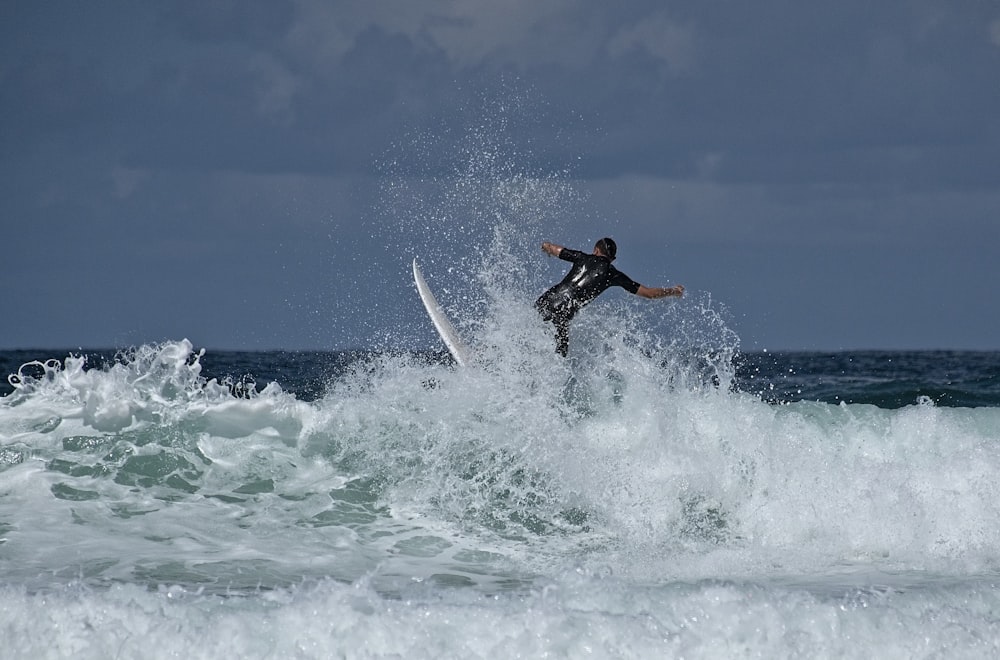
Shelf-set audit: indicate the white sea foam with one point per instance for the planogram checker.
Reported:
(578, 616)
(622, 503)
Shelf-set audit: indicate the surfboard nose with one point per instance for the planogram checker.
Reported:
(444, 327)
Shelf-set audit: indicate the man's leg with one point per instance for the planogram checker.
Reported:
(559, 317)
(562, 335)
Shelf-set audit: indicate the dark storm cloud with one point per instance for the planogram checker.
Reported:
(831, 87)
(720, 90)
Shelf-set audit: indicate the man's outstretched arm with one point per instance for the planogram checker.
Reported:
(660, 292)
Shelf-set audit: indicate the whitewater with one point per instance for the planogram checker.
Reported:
(625, 504)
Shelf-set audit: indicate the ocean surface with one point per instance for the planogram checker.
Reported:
(638, 500)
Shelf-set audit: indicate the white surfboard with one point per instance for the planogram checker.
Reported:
(444, 327)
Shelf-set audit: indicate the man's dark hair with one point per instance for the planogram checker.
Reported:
(608, 247)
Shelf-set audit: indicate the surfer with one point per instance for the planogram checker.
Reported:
(589, 277)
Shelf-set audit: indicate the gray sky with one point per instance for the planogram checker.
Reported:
(231, 171)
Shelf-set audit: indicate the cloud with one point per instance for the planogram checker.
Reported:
(476, 30)
(852, 92)
(125, 181)
(468, 32)
(275, 88)
(659, 37)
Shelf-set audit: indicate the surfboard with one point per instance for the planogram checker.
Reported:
(445, 329)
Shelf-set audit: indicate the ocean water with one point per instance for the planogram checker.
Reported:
(629, 502)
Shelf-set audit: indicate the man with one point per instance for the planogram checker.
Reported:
(590, 276)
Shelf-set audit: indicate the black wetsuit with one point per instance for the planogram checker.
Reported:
(590, 276)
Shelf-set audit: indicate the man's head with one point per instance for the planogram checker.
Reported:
(607, 247)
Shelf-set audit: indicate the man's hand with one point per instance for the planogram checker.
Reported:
(551, 249)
